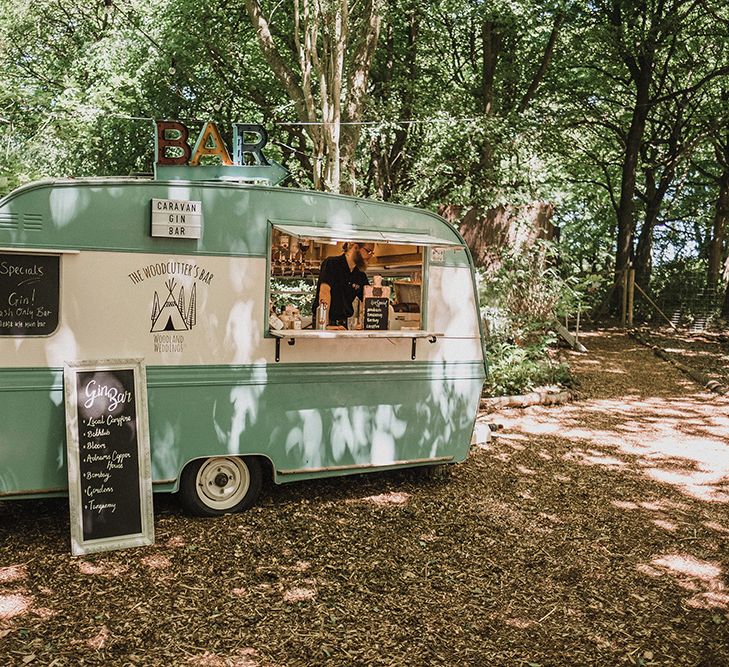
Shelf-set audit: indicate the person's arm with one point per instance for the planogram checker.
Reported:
(325, 294)
(325, 291)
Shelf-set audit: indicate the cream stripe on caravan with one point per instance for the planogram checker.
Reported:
(360, 234)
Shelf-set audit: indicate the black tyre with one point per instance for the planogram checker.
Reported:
(220, 485)
(438, 472)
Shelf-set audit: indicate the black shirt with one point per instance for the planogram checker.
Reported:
(345, 286)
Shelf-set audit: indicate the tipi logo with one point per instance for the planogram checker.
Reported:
(173, 315)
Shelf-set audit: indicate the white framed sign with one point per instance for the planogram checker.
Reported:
(176, 218)
(437, 254)
(109, 464)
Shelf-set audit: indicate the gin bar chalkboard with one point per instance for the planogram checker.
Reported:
(376, 312)
(110, 488)
(29, 294)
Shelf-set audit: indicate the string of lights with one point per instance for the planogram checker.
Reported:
(384, 122)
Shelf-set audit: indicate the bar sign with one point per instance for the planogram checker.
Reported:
(176, 218)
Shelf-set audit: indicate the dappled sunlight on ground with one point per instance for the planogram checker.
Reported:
(15, 604)
(714, 525)
(99, 640)
(102, 568)
(299, 594)
(246, 657)
(156, 562)
(384, 499)
(12, 573)
(653, 445)
(702, 578)
(176, 542)
(679, 438)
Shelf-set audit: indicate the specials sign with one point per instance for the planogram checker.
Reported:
(109, 467)
(29, 294)
(175, 218)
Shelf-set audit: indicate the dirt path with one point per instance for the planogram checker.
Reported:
(649, 497)
(595, 533)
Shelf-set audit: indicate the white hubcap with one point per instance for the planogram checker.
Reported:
(222, 482)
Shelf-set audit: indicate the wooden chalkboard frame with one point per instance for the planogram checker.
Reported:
(80, 545)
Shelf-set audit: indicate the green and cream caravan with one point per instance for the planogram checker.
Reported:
(190, 277)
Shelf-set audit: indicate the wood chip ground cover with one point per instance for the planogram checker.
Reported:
(594, 533)
(706, 352)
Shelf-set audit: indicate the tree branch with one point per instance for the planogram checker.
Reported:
(546, 58)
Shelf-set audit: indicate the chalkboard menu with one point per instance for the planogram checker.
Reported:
(29, 291)
(109, 471)
(376, 312)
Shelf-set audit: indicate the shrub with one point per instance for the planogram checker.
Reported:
(520, 302)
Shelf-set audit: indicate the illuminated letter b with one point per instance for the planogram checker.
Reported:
(179, 133)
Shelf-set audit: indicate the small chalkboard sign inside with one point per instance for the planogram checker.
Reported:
(29, 294)
(376, 312)
(109, 468)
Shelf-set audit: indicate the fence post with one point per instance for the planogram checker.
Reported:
(624, 309)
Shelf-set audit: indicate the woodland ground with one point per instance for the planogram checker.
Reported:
(706, 351)
(595, 533)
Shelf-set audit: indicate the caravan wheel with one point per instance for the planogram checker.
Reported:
(220, 485)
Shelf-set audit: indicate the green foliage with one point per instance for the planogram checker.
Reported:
(289, 291)
(465, 105)
(520, 302)
(516, 369)
(528, 288)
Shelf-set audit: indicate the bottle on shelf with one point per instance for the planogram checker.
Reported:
(287, 317)
(274, 321)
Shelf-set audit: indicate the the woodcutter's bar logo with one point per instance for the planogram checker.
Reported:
(174, 302)
(173, 315)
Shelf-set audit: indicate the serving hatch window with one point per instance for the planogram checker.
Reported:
(394, 270)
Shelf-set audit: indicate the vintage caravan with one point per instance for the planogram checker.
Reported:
(192, 276)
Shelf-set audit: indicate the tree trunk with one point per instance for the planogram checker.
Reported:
(721, 216)
(389, 161)
(654, 194)
(489, 232)
(334, 61)
(358, 76)
(490, 52)
(639, 59)
(644, 253)
(626, 205)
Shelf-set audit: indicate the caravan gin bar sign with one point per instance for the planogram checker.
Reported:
(109, 470)
(176, 218)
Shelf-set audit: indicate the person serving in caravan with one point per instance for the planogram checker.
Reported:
(341, 281)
